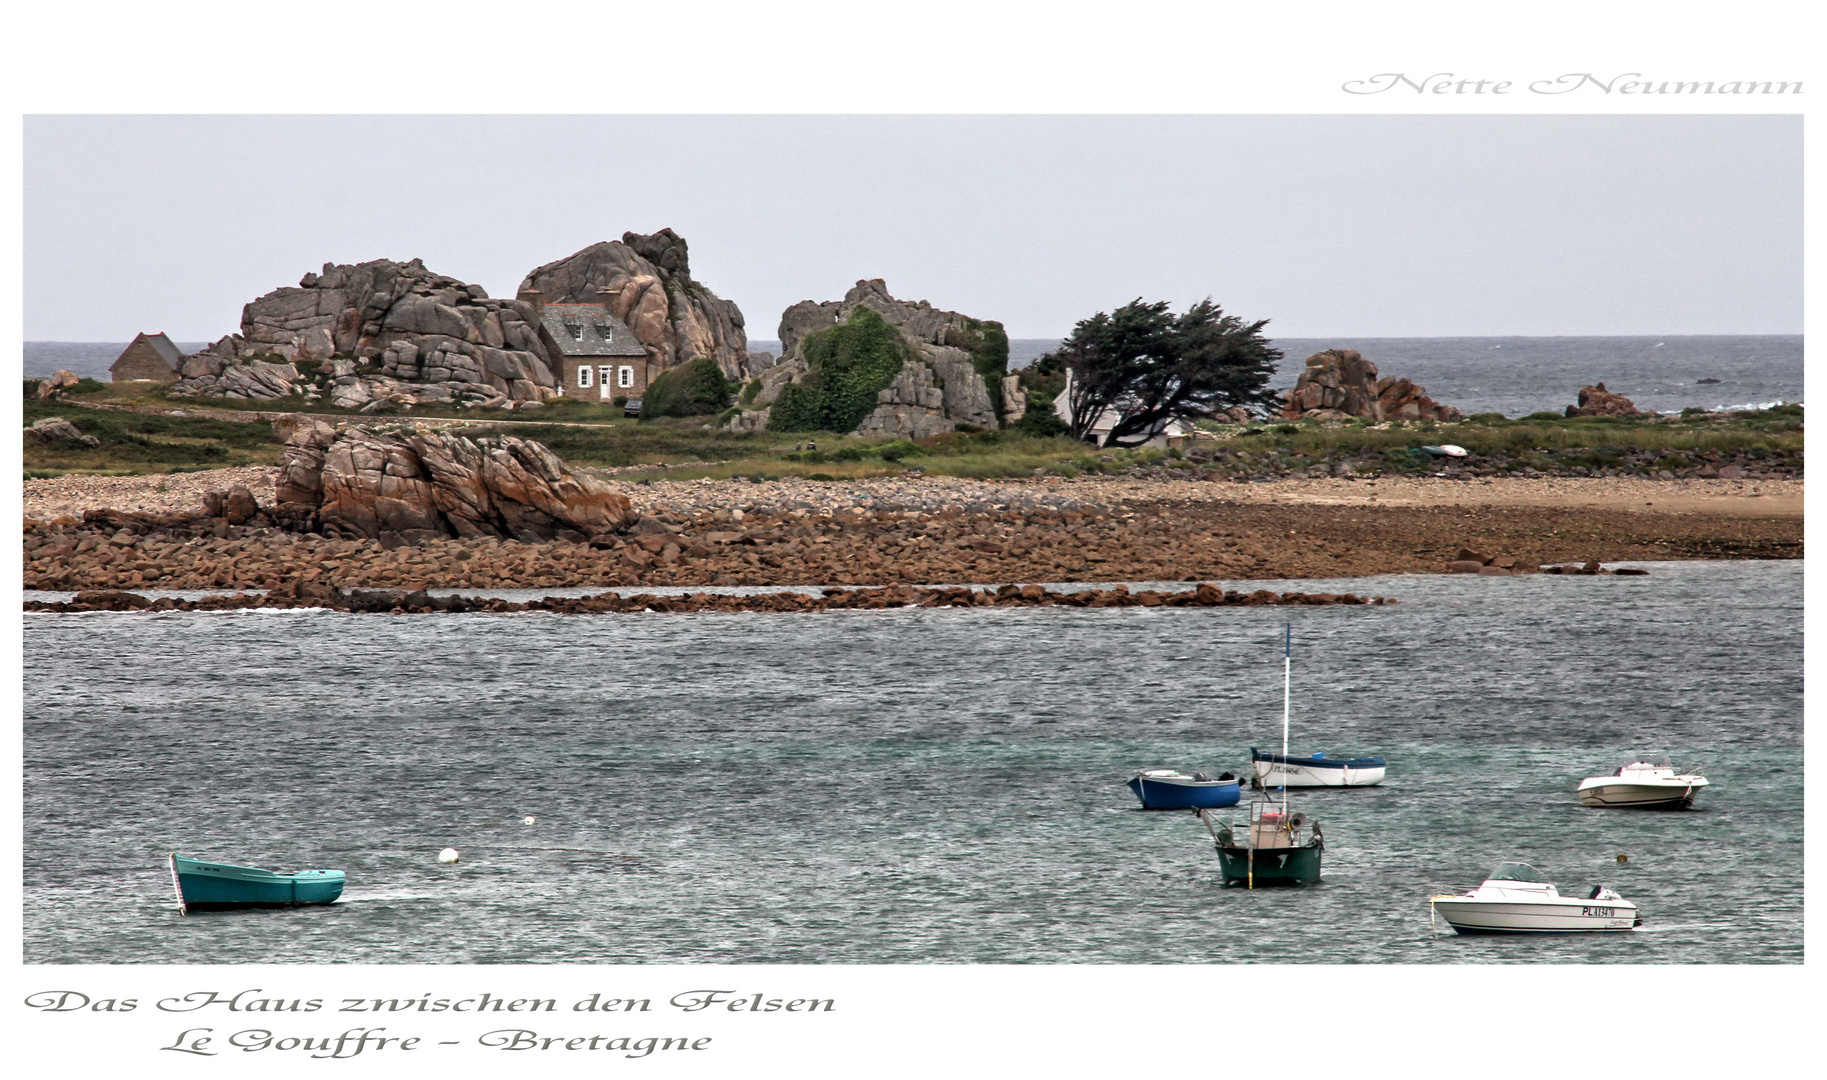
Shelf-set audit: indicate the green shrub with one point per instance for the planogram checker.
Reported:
(1539, 416)
(694, 388)
(749, 392)
(1487, 418)
(1042, 423)
(899, 449)
(849, 365)
(726, 416)
(820, 476)
(849, 453)
(1286, 429)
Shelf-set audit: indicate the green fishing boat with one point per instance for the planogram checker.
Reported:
(1276, 846)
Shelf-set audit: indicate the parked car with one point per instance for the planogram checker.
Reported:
(631, 407)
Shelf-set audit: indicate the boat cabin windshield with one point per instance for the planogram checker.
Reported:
(1516, 871)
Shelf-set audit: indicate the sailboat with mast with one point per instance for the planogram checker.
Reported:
(1275, 846)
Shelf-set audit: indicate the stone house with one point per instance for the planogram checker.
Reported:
(599, 357)
(150, 357)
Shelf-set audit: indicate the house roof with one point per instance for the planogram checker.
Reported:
(588, 330)
(160, 344)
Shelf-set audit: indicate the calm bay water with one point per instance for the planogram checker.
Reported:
(911, 786)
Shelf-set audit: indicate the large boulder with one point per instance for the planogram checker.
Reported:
(646, 282)
(1598, 401)
(53, 428)
(413, 485)
(1341, 383)
(59, 381)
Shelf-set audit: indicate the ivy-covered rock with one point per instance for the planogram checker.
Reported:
(847, 366)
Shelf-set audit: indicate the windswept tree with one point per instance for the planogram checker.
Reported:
(1150, 366)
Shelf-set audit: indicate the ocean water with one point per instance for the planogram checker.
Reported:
(1510, 375)
(912, 786)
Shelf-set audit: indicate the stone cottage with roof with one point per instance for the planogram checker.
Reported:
(599, 357)
(148, 356)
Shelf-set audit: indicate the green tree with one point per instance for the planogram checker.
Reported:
(1151, 366)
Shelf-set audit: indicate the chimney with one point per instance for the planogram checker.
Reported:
(533, 296)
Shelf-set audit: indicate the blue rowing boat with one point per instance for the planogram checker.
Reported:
(1165, 789)
(212, 886)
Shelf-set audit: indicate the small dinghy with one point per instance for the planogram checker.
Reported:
(1643, 785)
(1318, 770)
(213, 886)
(1165, 789)
(1516, 899)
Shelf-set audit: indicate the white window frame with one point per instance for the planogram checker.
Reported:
(624, 377)
(583, 377)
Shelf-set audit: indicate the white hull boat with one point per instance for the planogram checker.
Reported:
(1643, 785)
(1284, 770)
(1515, 900)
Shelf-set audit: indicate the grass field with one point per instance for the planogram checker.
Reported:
(590, 435)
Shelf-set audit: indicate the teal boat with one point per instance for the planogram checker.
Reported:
(213, 886)
(1275, 848)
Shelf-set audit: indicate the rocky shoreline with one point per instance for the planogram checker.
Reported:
(926, 531)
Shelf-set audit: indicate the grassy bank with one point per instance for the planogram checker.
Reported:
(590, 435)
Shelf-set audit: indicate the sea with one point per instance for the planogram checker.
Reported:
(1514, 376)
(914, 786)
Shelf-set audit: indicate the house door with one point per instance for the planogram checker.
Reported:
(605, 376)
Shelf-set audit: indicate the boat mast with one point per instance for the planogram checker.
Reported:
(1287, 675)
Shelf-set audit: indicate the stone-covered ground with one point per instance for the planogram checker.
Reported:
(932, 531)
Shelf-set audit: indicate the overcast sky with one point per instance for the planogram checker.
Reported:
(1326, 225)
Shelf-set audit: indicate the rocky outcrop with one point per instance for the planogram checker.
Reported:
(1340, 384)
(1598, 401)
(59, 381)
(53, 428)
(399, 333)
(646, 282)
(913, 407)
(940, 341)
(416, 485)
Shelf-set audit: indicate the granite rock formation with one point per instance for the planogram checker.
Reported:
(415, 485)
(1340, 383)
(646, 282)
(398, 334)
(939, 391)
(59, 381)
(53, 428)
(1598, 401)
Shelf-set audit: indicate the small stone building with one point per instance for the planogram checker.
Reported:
(600, 359)
(148, 356)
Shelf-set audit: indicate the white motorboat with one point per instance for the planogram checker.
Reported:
(1516, 900)
(1642, 784)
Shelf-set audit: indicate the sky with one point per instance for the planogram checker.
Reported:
(1368, 225)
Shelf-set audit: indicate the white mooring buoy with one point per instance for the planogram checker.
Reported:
(449, 854)
(526, 820)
